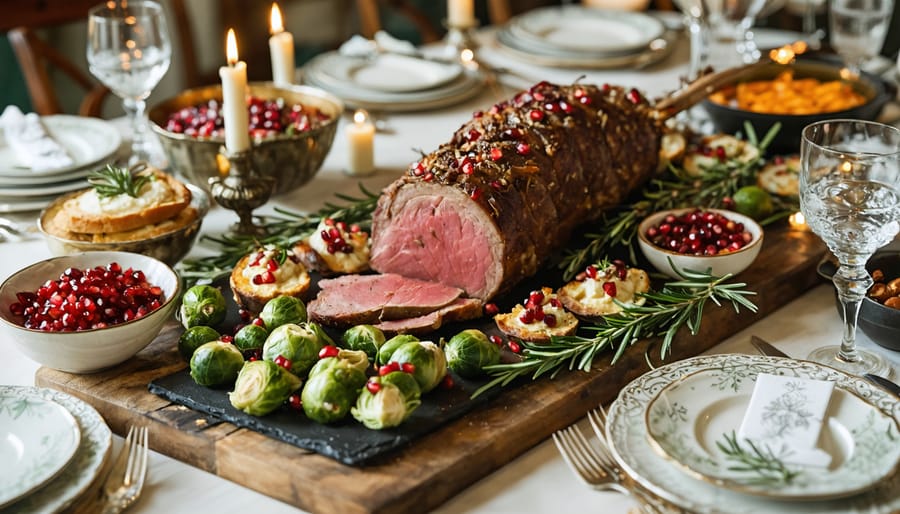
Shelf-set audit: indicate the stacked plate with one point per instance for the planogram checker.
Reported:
(90, 142)
(584, 37)
(392, 82)
(669, 430)
(52, 447)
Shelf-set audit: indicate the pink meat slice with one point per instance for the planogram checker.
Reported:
(460, 310)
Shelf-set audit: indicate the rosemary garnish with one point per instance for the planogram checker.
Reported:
(113, 181)
(760, 462)
(676, 189)
(678, 304)
(283, 229)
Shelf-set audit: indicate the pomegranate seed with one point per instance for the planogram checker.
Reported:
(536, 115)
(477, 114)
(634, 96)
(610, 288)
(523, 149)
(514, 347)
(536, 297)
(295, 402)
(497, 340)
(496, 154)
(554, 302)
(550, 320)
(373, 386)
(476, 194)
(328, 351)
(512, 133)
(491, 309)
(538, 314)
(591, 271)
(447, 382)
(527, 316)
(408, 367)
(622, 273)
(473, 135)
(720, 153)
(585, 100)
(259, 322)
(428, 177)
(283, 361)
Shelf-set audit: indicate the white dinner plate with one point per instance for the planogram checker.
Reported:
(689, 419)
(55, 188)
(87, 140)
(38, 437)
(392, 73)
(10, 204)
(627, 434)
(578, 29)
(89, 458)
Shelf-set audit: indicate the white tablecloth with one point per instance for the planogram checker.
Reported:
(537, 481)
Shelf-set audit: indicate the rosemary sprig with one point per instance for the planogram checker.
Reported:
(676, 189)
(113, 181)
(678, 304)
(283, 229)
(761, 463)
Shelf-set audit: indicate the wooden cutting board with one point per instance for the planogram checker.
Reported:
(438, 466)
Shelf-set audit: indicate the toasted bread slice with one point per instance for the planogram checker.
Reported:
(781, 178)
(291, 279)
(537, 330)
(54, 222)
(160, 199)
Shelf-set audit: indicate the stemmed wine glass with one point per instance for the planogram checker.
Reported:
(850, 196)
(858, 29)
(128, 49)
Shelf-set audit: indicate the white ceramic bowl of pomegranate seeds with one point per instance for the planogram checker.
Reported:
(86, 311)
(724, 242)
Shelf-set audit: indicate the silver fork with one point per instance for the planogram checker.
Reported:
(126, 479)
(582, 460)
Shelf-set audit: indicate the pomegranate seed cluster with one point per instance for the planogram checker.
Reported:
(264, 265)
(335, 236)
(699, 233)
(267, 118)
(88, 299)
(535, 309)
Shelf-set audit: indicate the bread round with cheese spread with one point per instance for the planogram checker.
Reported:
(290, 279)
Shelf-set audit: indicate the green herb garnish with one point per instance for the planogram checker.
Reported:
(761, 463)
(113, 181)
(676, 305)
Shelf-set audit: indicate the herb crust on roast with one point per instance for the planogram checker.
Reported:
(487, 208)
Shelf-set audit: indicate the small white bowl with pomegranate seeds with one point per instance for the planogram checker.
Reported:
(700, 239)
(86, 312)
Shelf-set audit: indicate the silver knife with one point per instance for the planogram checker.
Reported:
(767, 349)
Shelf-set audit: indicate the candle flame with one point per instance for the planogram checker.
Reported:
(231, 50)
(787, 53)
(275, 22)
(360, 116)
(846, 167)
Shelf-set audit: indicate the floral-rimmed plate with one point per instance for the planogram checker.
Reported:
(627, 435)
(38, 437)
(689, 420)
(73, 481)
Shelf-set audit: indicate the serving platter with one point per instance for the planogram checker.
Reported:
(424, 473)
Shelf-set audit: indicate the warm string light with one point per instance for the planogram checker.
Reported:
(797, 221)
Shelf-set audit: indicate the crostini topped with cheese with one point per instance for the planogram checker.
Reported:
(541, 317)
(602, 291)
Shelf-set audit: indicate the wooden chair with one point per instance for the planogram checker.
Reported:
(499, 11)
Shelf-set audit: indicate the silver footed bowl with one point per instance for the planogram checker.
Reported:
(291, 159)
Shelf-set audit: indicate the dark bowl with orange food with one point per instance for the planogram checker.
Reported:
(871, 91)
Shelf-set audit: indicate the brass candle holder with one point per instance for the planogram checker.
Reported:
(241, 190)
(459, 38)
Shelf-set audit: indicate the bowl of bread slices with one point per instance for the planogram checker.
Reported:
(140, 210)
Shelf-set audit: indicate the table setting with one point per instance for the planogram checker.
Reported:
(227, 333)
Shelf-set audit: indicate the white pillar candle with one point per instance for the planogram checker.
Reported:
(461, 13)
(281, 49)
(234, 98)
(361, 145)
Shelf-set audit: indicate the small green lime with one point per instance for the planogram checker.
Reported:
(753, 201)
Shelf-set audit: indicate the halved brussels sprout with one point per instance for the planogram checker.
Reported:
(297, 343)
(250, 337)
(282, 310)
(331, 389)
(469, 351)
(194, 338)
(262, 387)
(389, 346)
(396, 397)
(202, 305)
(216, 363)
(427, 358)
(367, 338)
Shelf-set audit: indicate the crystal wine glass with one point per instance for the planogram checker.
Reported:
(849, 194)
(128, 49)
(858, 29)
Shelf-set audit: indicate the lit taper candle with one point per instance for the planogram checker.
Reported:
(234, 98)
(281, 49)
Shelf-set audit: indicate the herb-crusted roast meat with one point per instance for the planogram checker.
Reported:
(486, 209)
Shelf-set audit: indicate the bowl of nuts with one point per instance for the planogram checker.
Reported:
(719, 241)
(291, 132)
(87, 312)
(879, 314)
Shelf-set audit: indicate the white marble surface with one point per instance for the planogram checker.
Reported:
(538, 481)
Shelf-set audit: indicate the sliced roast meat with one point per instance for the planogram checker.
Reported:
(486, 209)
(355, 299)
(460, 310)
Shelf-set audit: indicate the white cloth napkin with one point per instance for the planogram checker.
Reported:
(358, 46)
(30, 142)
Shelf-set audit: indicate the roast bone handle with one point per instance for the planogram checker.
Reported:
(702, 87)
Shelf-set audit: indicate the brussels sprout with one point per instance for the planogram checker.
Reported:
(351, 358)
(216, 363)
(250, 337)
(427, 358)
(364, 337)
(202, 305)
(389, 346)
(262, 387)
(331, 389)
(193, 338)
(297, 343)
(469, 351)
(282, 310)
(396, 397)
(317, 329)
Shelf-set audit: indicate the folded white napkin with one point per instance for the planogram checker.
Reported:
(30, 142)
(358, 46)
